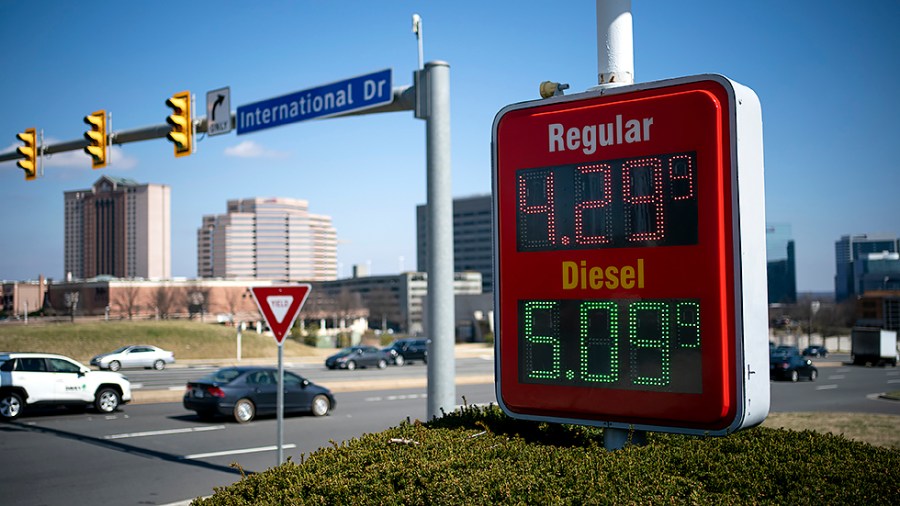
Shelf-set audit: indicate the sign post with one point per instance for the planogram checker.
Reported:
(630, 258)
(280, 306)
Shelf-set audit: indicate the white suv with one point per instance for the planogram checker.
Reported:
(40, 378)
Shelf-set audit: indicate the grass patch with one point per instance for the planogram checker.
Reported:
(481, 456)
(875, 429)
(188, 339)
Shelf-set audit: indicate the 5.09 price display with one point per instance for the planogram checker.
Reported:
(631, 344)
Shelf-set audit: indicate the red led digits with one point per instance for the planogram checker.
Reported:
(681, 177)
(537, 185)
(594, 181)
(624, 203)
(642, 187)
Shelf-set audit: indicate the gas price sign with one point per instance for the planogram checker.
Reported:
(629, 262)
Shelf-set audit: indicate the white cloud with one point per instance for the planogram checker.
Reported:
(250, 149)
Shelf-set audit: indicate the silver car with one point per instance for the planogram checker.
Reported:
(141, 355)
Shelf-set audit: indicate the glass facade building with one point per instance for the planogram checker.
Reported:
(781, 265)
(865, 262)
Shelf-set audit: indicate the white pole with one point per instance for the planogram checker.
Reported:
(615, 43)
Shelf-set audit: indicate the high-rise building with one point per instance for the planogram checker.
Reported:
(472, 238)
(267, 238)
(863, 263)
(780, 267)
(119, 228)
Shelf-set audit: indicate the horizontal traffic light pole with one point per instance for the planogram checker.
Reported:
(404, 100)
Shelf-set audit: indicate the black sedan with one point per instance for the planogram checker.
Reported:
(244, 392)
(358, 356)
(815, 350)
(792, 367)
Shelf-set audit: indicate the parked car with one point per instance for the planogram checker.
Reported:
(783, 351)
(357, 356)
(406, 350)
(792, 367)
(815, 350)
(31, 379)
(141, 355)
(245, 392)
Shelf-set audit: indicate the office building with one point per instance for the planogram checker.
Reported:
(394, 302)
(119, 228)
(780, 267)
(865, 262)
(267, 238)
(472, 238)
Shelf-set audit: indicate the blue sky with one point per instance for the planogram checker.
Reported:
(825, 71)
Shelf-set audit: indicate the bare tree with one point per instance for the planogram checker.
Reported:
(197, 300)
(126, 300)
(165, 298)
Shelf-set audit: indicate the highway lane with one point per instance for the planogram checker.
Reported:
(160, 453)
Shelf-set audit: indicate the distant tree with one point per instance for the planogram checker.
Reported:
(127, 300)
(197, 300)
(165, 298)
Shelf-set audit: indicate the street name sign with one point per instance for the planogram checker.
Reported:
(354, 94)
(280, 306)
(629, 258)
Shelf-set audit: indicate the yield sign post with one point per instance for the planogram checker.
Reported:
(280, 306)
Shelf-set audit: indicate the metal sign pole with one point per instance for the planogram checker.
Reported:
(280, 405)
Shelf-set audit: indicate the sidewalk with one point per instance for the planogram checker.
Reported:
(466, 350)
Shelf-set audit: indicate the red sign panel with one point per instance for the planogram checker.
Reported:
(617, 286)
(280, 306)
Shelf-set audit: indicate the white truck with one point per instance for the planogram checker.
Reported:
(873, 346)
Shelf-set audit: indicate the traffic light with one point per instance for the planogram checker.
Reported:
(29, 151)
(182, 133)
(96, 137)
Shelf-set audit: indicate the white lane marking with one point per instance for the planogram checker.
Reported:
(894, 381)
(893, 373)
(164, 432)
(137, 386)
(196, 456)
(826, 387)
(836, 377)
(396, 397)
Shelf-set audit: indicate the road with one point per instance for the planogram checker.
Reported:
(160, 454)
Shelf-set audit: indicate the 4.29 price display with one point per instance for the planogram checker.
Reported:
(622, 344)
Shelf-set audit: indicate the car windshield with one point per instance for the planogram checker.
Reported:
(221, 376)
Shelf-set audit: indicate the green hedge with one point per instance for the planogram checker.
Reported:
(481, 456)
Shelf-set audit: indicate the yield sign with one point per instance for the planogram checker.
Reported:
(280, 306)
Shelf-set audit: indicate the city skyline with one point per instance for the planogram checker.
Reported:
(827, 103)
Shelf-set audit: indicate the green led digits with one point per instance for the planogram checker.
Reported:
(543, 317)
(600, 336)
(648, 329)
(590, 343)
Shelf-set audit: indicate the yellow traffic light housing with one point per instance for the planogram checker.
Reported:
(182, 134)
(96, 137)
(29, 151)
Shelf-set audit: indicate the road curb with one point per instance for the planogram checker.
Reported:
(159, 396)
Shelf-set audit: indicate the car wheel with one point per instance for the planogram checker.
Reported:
(795, 376)
(351, 365)
(115, 365)
(382, 364)
(244, 411)
(159, 365)
(813, 375)
(320, 405)
(399, 360)
(107, 400)
(10, 406)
